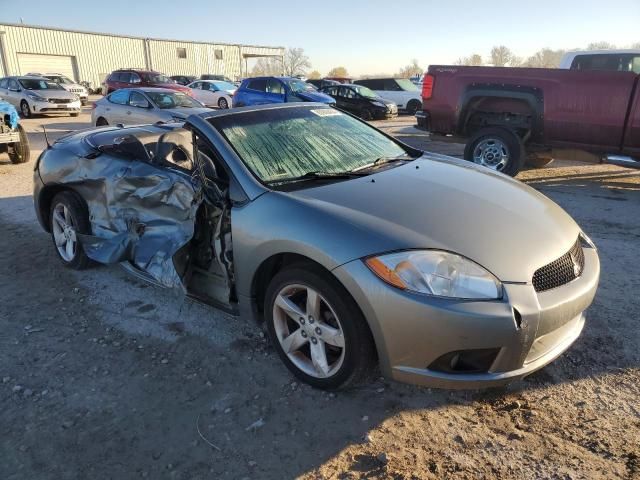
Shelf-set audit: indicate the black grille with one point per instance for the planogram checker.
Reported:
(561, 271)
(60, 100)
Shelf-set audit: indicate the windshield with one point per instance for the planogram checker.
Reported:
(35, 84)
(365, 92)
(406, 85)
(60, 79)
(164, 100)
(298, 86)
(156, 78)
(224, 85)
(280, 145)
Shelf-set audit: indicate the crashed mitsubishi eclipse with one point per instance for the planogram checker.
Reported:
(355, 249)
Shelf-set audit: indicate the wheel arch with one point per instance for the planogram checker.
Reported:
(515, 107)
(46, 196)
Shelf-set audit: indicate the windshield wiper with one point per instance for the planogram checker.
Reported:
(319, 175)
(384, 160)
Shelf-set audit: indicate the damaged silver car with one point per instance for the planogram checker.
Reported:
(353, 248)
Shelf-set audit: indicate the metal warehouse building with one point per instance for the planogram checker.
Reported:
(91, 56)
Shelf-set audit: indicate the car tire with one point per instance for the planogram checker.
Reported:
(413, 106)
(84, 102)
(25, 109)
(497, 148)
(366, 114)
(223, 104)
(19, 152)
(101, 122)
(339, 320)
(75, 114)
(68, 216)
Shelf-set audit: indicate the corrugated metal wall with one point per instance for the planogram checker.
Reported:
(98, 54)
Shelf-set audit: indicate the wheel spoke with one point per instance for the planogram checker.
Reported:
(59, 238)
(59, 219)
(313, 303)
(294, 341)
(69, 249)
(319, 358)
(332, 336)
(290, 308)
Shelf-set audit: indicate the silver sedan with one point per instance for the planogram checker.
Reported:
(135, 106)
(350, 247)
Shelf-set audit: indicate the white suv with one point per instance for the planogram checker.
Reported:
(400, 91)
(66, 83)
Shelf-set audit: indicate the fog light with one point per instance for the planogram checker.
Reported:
(465, 361)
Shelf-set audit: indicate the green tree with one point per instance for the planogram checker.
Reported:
(338, 72)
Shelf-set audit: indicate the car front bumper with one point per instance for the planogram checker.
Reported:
(522, 332)
(37, 106)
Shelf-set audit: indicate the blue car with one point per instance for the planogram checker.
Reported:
(262, 90)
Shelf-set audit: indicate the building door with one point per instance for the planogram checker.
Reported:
(36, 63)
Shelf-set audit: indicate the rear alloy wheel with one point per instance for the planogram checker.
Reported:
(25, 110)
(496, 148)
(19, 152)
(68, 218)
(317, 329)
(223, 104)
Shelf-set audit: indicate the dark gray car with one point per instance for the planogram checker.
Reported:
(351, 247)
(135, 106)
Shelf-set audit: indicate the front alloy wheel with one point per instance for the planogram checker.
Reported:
(309, 331)
(68, 218)
(317, 328)
(25, 109)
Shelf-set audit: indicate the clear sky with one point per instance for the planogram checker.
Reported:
(366, 37)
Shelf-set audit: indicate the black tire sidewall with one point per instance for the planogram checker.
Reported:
(29, 114)
(225, 102)
(80, 216)
(413, 106)
(101, 122)
(506, 136)
(357, 337)
(21, 150)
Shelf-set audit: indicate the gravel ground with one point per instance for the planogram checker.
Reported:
(105, 377)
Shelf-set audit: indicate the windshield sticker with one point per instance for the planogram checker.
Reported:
(326, 112)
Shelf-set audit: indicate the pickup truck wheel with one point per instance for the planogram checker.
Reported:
(19, 152)
(497, 148)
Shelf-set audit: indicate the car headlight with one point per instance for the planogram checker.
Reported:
(436, 272)
(35, 96)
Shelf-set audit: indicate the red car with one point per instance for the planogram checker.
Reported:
(132, 78)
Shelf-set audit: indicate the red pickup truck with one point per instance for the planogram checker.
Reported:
(506, 114)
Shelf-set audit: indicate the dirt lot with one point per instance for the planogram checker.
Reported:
(104, 377)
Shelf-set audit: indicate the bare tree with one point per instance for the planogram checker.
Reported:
(267, 66)
(411, 70)
(295, 62)
(501, 56)
(338, 72)
(474, 60)
(601, 46)
(545, 58)
(635, 45)
(314, 75)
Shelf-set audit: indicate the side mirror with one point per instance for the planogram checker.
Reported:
(140, 104)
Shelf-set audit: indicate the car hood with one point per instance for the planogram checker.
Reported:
(311, 96)
(52, 94)
(441, 203)
(185, 112)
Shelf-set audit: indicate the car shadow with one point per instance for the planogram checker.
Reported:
(129, 401)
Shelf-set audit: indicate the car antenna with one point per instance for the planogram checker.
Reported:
(46, 138)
